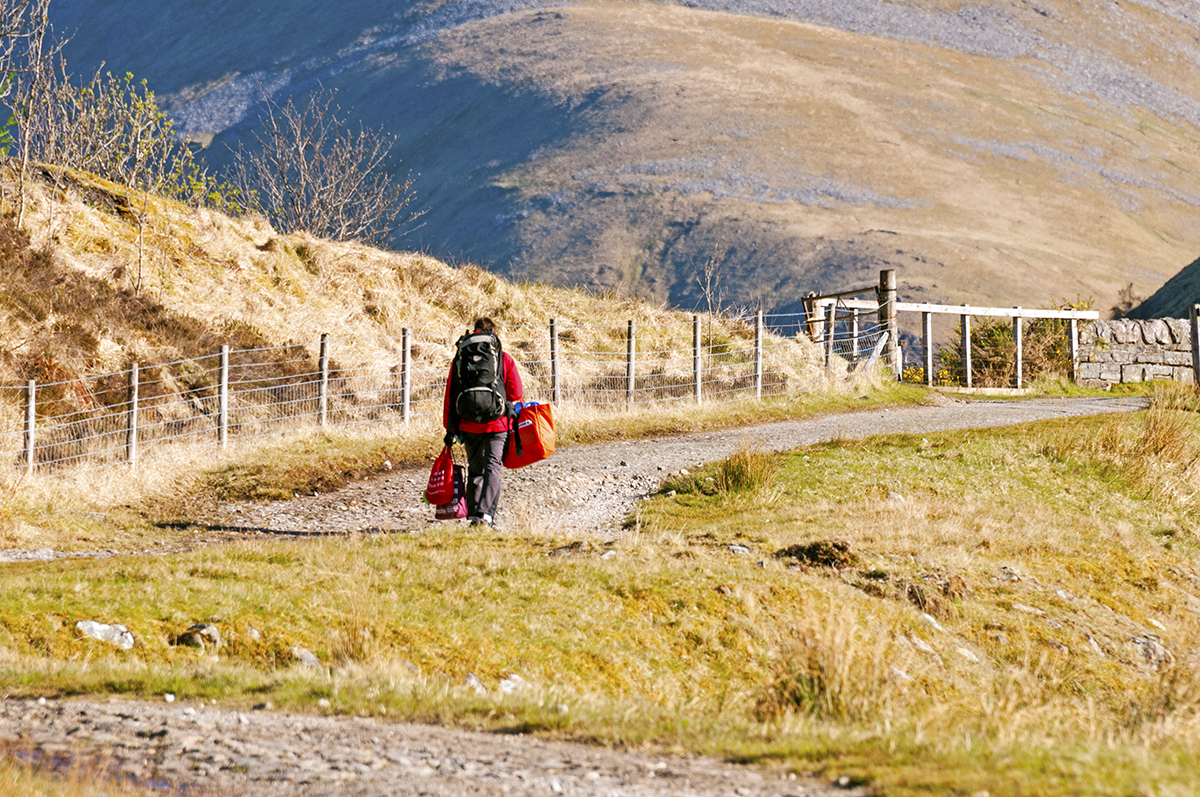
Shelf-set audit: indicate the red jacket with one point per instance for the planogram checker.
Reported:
(513, 391)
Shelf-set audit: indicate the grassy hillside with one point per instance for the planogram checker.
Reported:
(997, 153)
(85, 292)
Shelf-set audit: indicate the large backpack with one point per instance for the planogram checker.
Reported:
(479, 376)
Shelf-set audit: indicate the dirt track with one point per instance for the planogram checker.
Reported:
(582, 490)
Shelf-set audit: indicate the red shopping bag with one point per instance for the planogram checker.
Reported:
(441, 479)
(535, 431)
(457, 507)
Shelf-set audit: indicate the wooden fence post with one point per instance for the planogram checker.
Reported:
(131, 423)
(1018, 346)
(758, 354)
(697, 363)
(555, 373)
(323, 382)
(405, 374)
(1194, 326)
(630, 348)
(965, 327)
(830, 323)
(854, 335)
(927, 335)
(887, 318)
(1073, 348)
(30, 425)
(223, 398)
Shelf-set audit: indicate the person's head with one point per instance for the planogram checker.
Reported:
(485, 324)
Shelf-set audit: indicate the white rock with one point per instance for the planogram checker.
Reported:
(116, 634)
(739, 549)
(305, 657)
(513, 683)
(929, 619)
(324, 703)
(895, 497)
(901, 674)
(922, 645)
(968, 655)
(608, 555)
(474, 683)
(170, 698)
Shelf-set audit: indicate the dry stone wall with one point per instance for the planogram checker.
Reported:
(1129, 350)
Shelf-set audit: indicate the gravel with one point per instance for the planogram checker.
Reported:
(196, 748)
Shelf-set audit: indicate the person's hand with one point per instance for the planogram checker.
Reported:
(451, 438)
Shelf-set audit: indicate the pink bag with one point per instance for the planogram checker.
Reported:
(456, 507)
(440, 489)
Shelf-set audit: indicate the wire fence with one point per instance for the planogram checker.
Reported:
(149, 408)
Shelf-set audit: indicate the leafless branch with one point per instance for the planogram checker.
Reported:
(311, 172)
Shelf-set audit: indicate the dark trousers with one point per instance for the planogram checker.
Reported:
(485, 461)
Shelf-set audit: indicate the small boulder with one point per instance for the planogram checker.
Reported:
(305, 657)
(115, 633)
(200, 635)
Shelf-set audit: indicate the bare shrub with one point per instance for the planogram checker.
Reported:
(27, 52)
(111, 126)
(1045, 351)
(311, 172)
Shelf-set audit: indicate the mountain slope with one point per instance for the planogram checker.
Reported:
(1000, 153)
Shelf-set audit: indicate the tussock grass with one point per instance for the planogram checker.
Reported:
(749, 469)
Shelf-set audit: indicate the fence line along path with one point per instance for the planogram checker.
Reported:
(397, 381)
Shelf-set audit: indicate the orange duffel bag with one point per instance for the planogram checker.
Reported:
(533, 439)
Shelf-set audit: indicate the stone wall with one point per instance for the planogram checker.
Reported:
(1128, 350)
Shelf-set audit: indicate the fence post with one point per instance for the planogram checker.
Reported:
(854, 335)
(323, 382)
(1017, 341)
(405, 375)
(555, 395)
(927, 337)
(131, 424)
(697, 363)
(30, 425)
(223, 398)
(1194, 327)
(1073, 347)
(830, 321)
(758, 355)
(887, 317)
(965, 326)
(629, 365)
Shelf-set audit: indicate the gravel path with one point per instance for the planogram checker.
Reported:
(201, 749)
(581, 490)
(591, 489)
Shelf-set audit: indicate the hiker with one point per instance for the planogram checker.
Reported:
(477, 411)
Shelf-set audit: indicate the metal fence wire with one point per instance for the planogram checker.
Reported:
(121, 417)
